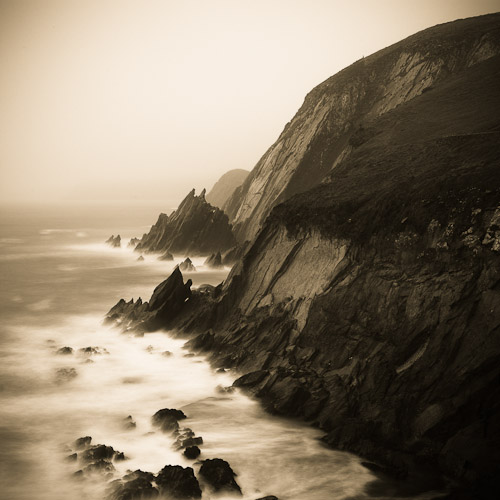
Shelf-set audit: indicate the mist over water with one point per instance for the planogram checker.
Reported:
(58, 280)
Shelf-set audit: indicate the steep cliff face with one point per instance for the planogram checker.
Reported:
(195, 228)
(320, 134)
(225, 187)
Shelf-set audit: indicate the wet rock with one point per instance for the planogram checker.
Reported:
(93, 351)
(192, 452)
(167, 354)
(98, 452)
(178, 482)
(64, 375)
(136, 485)
(82, 443)
(167, 419)
(214, 261)
(114, 241)
(202, 342)
(269, 497)
(129, 423)
(88, 361)
(65, 350)
(100, 466)
(133, 242)
(150, 349)
(119, 456)
(186, 437)
(219, 475)
(166, 256)
(140, 258)
(251, 379)
(224, 390)
(71, 458)
(187, 266)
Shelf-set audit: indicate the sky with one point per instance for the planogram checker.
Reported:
(146, 99)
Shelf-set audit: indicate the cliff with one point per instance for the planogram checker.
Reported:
(225, 187)
(195, 228)
(320, 135)
(369, 305)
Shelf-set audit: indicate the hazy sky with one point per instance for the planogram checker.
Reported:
(145, 99)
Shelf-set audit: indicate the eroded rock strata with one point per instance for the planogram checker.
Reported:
(369, 305)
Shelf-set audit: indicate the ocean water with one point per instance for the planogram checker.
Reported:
(58, 279)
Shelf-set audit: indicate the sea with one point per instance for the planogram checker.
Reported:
(58, 280)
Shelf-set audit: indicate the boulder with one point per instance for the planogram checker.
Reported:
(167, 419)
(97, 452)
(187, 266)
(82, 443)
(219, 475)
(192, 452)
(178, 482)
(136, 485)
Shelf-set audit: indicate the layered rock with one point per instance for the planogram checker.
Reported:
(195, 228)
(226, 186)
(322, 132)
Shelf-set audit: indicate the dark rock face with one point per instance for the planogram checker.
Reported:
(114, 241)
(215, 261)
(219, 475)
(225, 187)
(232, 255)
(195, 228)
(97, 452)
(167, 419)
(82, 442)
(192, 452)
(187, 266)
(168, 300)
(178, 482)
(134, 486)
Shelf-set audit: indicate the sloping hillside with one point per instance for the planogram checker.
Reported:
(320, 134)
(226, 186)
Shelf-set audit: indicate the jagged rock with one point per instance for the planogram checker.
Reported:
(192, 452)
(178, 482)
(140, 258)
(71, 458)
(65, 350)
(167, 419)
(129, 423)
(232, 255)
(166, 256)
(114, 241)
(83, 442)
(201, 343)
(186, 438)
(195, 228)
(100, 466)
(187, 266)
(225, 187)
(215, 261)
(136, 485)
(133, 242)
(168, 299)
(219, 475)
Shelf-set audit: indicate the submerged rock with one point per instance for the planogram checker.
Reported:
(91, 351)
(83, 442)
(97, 452)
(100, 466)
(178, 482)
(186, 438)
(140, 258)
(114, 241)
(167, 419)
(129, 423)
(65, 350)
(64, 375)
(187, 266)
(219, 475)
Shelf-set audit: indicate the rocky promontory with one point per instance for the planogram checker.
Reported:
(195, 228)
